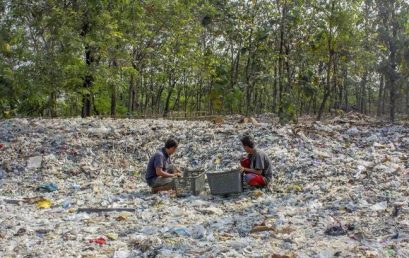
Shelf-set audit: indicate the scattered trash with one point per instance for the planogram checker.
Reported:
(284, 230)
(297, 188)
(2, 174)
(99, 241)
(353, 131)
(121, 254)
(198, 231)
(112, 236)
(34, 162)
(379, 206)
(43, 204)
(283, 256)
(327, 253)
(122, 217)
(218, 120)
(212, 211)
(181, 231)
(50, 187)
(20, 232)
(101, 210)
(348, 169)
(247, 120)
(390, 252)
(257, 193)
(66, 204)
(350, 227)
(397, 209)
(75, 186)
(256, 229)
(335, 231)
(42, 232)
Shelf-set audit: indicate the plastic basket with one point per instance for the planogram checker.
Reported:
(192, 182)
(226, 182)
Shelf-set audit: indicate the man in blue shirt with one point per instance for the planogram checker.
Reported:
(160, 171)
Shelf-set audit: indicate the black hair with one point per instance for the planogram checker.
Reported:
(170, 143)
(248, 141)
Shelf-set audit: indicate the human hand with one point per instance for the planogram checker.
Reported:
(242, 169)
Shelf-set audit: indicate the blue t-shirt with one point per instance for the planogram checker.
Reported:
(159, 159)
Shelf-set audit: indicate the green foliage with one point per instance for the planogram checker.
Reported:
(219, 56)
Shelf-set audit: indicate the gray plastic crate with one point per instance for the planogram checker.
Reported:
(226, 182)
(192, 182)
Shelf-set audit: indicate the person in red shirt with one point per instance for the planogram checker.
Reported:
(257, 167)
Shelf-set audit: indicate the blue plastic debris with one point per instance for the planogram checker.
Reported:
(50, 187)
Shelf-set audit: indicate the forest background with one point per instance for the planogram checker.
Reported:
(136, 58)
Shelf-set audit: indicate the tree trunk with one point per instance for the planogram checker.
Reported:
(86, 97)
(357, 97)
(88, 79)
(132, 95)
(172, 83)
(368, 110)
(380, 95)
(274, 106)
(280, 60)
(113, 101)
(392, 63)
(52, 104)
(334, 84)
(248, 74)
(113, 92)
(96, 112)
(327, 89)
(176, 105)
(363, 93)
(199, 95)
(158, 100)
(288, 69)
(384, 97)
(185, 103)
(314, 104)
(346, 89)
(234, 71)
(140, 90)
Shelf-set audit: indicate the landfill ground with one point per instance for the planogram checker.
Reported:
(340, 189)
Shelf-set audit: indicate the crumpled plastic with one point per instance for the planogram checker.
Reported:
(99, 241)
(43, 204)
(49, 187)
(326, 174)
(112, 236)
(34, 162)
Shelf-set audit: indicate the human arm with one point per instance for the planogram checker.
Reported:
(159, 162)
(251, 170)
(176, 170)
(257, 165)
(162, 173)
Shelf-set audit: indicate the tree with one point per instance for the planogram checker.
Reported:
(153, 57)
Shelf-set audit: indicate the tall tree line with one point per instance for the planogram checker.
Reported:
(131, 57)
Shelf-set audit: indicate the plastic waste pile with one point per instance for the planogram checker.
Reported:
(339, 189)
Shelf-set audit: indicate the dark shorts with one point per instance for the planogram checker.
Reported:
(160, 181)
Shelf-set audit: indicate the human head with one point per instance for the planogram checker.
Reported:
(248, 143)
(171, 146)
